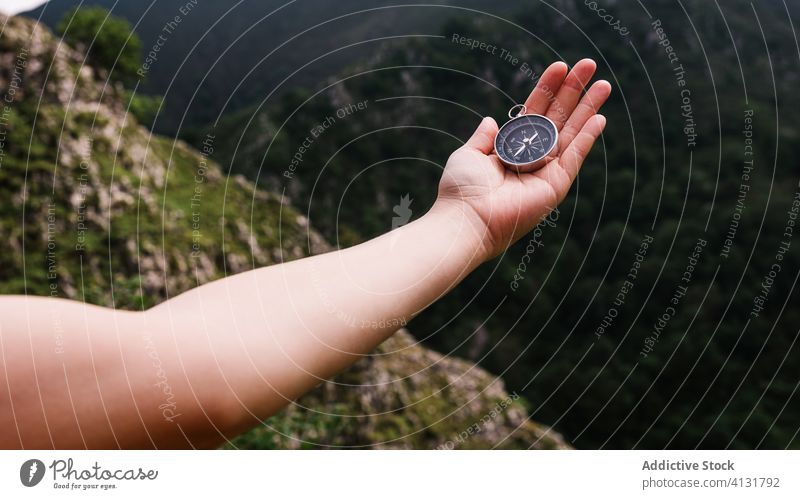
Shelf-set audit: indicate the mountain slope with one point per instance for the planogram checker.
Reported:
(96, 208)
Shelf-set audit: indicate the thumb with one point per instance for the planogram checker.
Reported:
(483, 138)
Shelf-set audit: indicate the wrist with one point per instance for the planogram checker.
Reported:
(459, 222)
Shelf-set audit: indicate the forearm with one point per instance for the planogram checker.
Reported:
(210, 363)
(271, 334)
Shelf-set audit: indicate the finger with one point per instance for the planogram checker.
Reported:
(483, 138)
(588, 106)
(547, 86)
(570, 92)
(560, 173)
(572, 158)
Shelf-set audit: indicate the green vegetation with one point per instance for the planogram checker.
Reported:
(110, 44)
(144, 108)
(107, 40)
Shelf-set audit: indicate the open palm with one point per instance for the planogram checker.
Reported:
(509, 204)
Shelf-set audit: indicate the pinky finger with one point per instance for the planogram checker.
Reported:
(572, 158)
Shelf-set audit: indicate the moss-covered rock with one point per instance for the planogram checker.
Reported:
(406, 396)
(99, 203)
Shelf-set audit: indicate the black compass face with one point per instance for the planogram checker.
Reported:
(525, 140)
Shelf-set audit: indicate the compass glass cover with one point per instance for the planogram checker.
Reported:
(525, 139)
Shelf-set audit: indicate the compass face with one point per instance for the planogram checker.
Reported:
(525, 141)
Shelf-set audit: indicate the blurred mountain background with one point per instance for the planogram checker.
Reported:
(229, 55)
(696, 351)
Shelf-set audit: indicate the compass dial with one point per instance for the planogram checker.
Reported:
(524, 142)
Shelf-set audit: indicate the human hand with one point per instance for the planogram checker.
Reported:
(503, 204)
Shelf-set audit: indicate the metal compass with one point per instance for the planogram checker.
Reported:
(524, 142)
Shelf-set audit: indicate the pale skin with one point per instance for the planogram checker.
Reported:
(211, 363)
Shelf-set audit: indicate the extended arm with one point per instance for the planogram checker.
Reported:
(212, 362)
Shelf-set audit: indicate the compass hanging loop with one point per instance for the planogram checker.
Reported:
(517, 110)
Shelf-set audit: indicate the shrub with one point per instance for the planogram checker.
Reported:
(107, 40)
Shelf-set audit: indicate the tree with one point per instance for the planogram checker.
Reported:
(108, 41)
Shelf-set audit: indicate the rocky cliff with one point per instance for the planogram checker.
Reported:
(97, 208)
